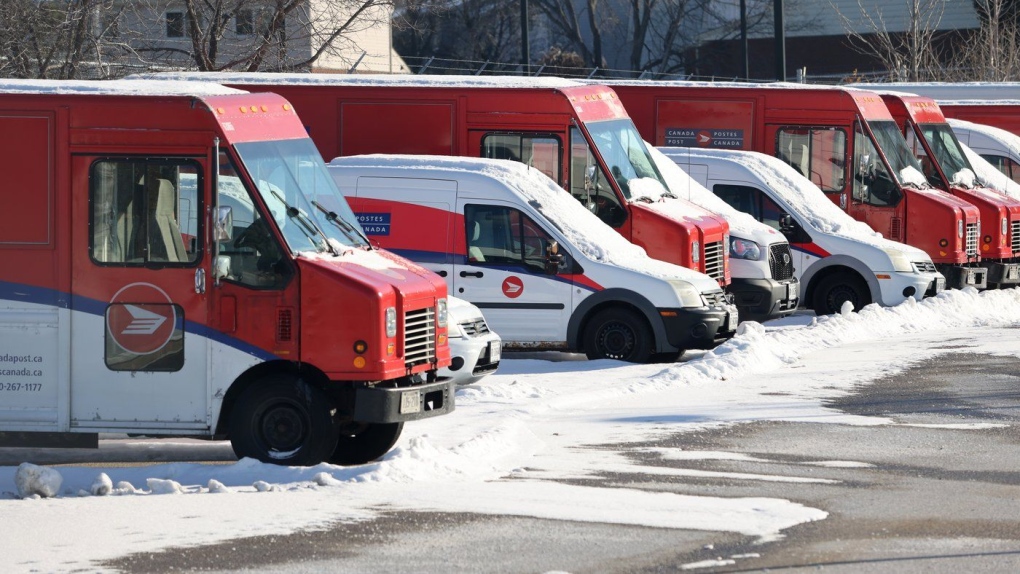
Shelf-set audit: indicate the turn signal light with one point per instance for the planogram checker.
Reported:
(360, 347)
(359, 362)
(944, 242)
(988, 238)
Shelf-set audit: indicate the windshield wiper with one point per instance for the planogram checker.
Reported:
(309, 227)
(342, 224)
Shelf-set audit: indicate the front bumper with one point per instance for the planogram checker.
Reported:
(899, 287)
(699, 328)
(764, 299)
(1002, 275)
(401, 404)
(959, 276)
(473, 358)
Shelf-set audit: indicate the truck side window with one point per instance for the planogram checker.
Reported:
(872, 183)
(818, 153)
(146, 212)
(254, 254)
(590, 185)
(927, 165)
(504, 237)
(540, 151)
(750, 200)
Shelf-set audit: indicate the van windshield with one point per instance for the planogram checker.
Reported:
(947, 151)
(303, 199)
(624, 152)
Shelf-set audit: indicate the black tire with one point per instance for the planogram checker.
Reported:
(364, 442)
(838, 288)
(283, 420)
(620, 334)
(667, 357)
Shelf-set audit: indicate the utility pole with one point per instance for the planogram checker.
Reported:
(743, 39)
(777, 9)
(525, 51)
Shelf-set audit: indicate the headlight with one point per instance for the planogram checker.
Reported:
(900, 261)
(688, 295)
(391, 322)
(745, 249)
(959, 227)
(441, 312)
(1005, 225)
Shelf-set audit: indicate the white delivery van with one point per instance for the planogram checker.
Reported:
(995, 146)
(836, 257)
(763, 282)
(475, 350)
(547, 273)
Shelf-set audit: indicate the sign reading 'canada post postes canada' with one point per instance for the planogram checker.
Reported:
(703, 137)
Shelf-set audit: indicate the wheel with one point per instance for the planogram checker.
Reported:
(283, 420)
(838, 288)
(618, 333)
(364, 442)
(667, 357)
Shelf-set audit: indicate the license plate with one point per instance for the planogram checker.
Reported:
(940, 284)
(494, 351)
(1012, 272)
(972, 278)
(791, 291)
(410, 402)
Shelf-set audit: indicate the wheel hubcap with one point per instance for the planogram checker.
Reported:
(616, 341)
(283, 429)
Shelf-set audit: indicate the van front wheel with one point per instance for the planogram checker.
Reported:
(838, 288)
(283, 420)
(619, 334)
(364, 442)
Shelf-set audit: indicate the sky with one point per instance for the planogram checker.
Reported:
(510, 445)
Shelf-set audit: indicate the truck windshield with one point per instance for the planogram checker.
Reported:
(947, 151)
(304, 201)
(624, 152)
(904, 165)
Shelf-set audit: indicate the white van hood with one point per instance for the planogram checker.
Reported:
(682, 185)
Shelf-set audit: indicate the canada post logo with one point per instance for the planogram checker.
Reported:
(513, 287)
(374, 223)
(141, 318)
(697, 137)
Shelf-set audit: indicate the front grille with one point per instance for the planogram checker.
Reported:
(1014, 238)
(924, 266)
(780, 261)
(419, 337)
(715, 261)
(714, 298)
(474, 328)
(972, 240)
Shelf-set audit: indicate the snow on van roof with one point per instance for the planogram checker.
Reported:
(161, 87)
(580, 227)
(989, 174)
(798, 195)
(412, 80)
(684, 186)
(944, 92)
(721, 84)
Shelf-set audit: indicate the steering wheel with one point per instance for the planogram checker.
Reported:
(254, 236)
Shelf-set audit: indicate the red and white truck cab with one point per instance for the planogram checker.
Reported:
(181, 263)
(845, 141)
(547, 273)
(946, 167)
(579, 135)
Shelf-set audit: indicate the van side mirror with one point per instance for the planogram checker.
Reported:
(786, 223)
(224, 224)
(553, 258)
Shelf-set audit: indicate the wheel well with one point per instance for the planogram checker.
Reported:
(809, 294)
(579, 343)
(313, 376)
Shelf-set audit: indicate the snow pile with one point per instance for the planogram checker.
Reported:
(964, 178)
(37, 481)
(393, 80)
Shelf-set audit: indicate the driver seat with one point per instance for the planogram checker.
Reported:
(167, 231)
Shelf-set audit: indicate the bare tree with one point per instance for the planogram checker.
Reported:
(911, 54)
(993, 53)
(581, 23)
(463, 34)
(53, 39)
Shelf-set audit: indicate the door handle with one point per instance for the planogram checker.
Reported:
(441, 273)
(200, 280)
(470, 273)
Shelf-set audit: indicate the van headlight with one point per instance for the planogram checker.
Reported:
(745, 249)
(900, 261)
(391, 322)
(688, 295)
(441, 312)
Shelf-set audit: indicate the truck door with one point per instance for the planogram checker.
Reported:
(505, 274)
(138, 349)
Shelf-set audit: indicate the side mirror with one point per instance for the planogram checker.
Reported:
(553, 258)
(221, 268)
(224, 225)
(786, 223)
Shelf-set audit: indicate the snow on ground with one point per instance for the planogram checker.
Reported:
(513, 440)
